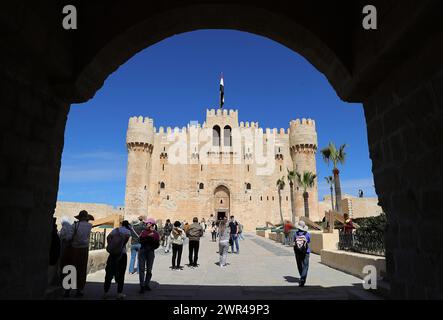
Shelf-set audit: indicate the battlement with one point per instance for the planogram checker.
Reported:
(277, 132)
(140, 130)
(221, 113)
(302, 122)
(248, 124)
(302, 132)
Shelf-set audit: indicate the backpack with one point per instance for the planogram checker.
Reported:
(300, 243)
(116, 243)
(240, 228)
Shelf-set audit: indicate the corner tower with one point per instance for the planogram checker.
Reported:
(140, 143)
(303, 148)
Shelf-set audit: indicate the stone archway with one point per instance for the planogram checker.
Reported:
(222, 202)
(44, 69)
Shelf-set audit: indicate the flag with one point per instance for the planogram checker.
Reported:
(222, 92)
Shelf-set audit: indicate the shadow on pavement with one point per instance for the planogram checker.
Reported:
(94, 291)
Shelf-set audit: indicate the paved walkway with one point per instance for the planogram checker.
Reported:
(263, 270)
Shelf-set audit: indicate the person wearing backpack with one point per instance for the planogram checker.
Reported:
(77, 250)
(302, 238)
(117, 259)
(177, 237)
(194, 233)
(137, 227)
(166, 233)
(150, 241)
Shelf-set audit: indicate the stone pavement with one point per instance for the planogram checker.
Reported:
(263, 270)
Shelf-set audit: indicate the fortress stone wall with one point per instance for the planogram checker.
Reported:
(221, 173)
(354, 206)
(71, 209)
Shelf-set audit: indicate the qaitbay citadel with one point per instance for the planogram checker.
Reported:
(226, 167)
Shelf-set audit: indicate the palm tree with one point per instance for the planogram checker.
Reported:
(306, 180)
(336, 156)
(330, 182)
(292, 178)
(280, 186)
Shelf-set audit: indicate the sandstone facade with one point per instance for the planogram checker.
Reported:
(227, 170)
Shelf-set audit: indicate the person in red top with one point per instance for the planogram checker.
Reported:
(149, 241)
(348, 226)
(287, 227)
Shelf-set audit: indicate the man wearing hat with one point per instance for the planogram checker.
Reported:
(302, 238)
(80, 249)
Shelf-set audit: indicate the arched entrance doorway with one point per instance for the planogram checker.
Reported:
(221, 202)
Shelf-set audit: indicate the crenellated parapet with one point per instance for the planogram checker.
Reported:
(221, 117)
(222, 113)
(302, 135)
(248, 124)
(140, 134)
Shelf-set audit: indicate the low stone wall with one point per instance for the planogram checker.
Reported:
(276, 236)
(353, 263)
(97, 260)
(261, 233)
(321, 240)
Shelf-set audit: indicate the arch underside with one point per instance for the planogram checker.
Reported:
(152, 29)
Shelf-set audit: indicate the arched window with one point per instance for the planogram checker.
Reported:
(201, 186)
(162, 185)
(248, 186)
(216, 136)
(227, 136)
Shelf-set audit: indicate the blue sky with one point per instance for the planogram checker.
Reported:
(175, 80)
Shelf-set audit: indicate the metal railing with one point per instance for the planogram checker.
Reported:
(97, 240)
(362, 242)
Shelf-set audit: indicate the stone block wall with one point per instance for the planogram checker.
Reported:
(32, 127)
(405, 135)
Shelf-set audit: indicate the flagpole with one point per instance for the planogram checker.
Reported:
(222, 91)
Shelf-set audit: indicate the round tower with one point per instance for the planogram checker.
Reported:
(140, 143)
(303, 147)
